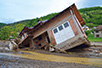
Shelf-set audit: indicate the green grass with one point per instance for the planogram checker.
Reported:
(92, 39)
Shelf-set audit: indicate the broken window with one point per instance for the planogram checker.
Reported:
(66, 24)
(55, 30)
(40, 37)
(60, 28)
(40, 44)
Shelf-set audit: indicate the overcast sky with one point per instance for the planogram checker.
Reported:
(16, 10)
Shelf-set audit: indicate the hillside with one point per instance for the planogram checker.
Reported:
(12, 29)
(2, 24)
(92, 17)
(19, 22)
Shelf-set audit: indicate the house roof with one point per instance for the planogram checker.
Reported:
(27, 29)
(99, 28)
(72, 7)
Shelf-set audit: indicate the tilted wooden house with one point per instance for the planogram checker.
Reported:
(63, 31)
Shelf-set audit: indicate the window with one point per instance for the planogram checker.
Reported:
(66, 24)
(40, 44)
(97, 36)
(40, 37)
(97, 31)
(60, 28)
(55, 30)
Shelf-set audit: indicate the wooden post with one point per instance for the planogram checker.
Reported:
(32, 43)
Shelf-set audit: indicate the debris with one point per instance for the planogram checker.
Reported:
(97, 52)
(4, 63)
(14, 44)
(56, 49)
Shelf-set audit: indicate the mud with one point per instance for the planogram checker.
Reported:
(77, 58)
(16, 62)
(76, 52)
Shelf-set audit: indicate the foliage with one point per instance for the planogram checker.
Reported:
(87, 32)
(91, 25)
(14, 34)
(7, 31)
(19, 22)
(92, 16)
(90, 9)
(4, 32)
(92, 31)
(2, 24)
(33, 22)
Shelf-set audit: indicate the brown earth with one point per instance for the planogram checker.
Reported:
(17, 62)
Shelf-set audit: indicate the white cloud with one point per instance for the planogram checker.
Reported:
(8, 20)
(14, 10)
(54, 6)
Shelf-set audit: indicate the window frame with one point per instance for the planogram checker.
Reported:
(54, 31)
(67, 25)
(97, 31)
(60, 28)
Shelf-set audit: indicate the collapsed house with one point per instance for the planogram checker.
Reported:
(63, 31)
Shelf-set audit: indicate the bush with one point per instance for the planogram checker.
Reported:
(87, 32)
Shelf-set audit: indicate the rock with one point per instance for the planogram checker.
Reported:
(4, 43)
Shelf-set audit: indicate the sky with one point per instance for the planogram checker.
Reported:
(16, 10)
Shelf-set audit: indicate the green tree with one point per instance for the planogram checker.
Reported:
(87, 32)
(4, 32)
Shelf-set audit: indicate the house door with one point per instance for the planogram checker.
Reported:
(63, 32)
(97, 36)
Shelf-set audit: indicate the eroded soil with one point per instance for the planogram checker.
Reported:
(77, 58)
(16, 62)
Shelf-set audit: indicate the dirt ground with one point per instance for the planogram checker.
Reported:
(76, 52)
(14, 62)
(17, 62)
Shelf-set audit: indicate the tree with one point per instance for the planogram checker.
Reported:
(4, 32)
(87, 32)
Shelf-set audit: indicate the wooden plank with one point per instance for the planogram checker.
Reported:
(58, 49)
